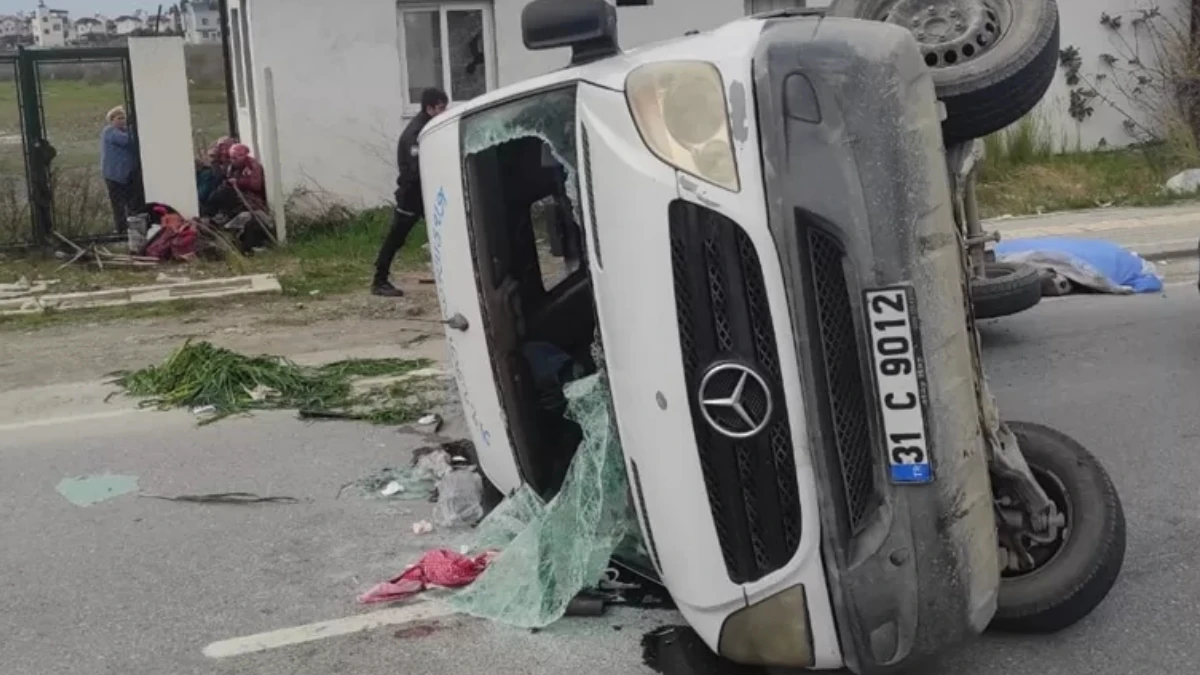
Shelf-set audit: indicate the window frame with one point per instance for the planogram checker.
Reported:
(443, 9)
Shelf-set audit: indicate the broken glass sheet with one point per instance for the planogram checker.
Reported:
(548, 115)
(551, 552)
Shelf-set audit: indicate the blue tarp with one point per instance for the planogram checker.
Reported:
(1094, 263)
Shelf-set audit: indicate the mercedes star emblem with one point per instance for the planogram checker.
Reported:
(735, 400)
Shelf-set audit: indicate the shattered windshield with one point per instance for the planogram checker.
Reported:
(547, 115)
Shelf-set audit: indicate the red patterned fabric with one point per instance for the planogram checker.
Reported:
(443, 568)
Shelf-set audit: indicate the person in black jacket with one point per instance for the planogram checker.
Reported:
(410, 207)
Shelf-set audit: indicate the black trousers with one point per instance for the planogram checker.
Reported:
(222, 200)
(126, 199)
(410, 207)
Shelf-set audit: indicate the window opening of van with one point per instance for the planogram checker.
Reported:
(521, 197)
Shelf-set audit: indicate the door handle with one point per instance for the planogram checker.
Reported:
(458, 322)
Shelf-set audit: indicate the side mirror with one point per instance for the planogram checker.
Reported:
(588, 27)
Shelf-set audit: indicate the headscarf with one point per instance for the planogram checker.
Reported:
(239, 153)
(219, 152)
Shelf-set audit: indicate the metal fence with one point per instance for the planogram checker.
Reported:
(52, 107)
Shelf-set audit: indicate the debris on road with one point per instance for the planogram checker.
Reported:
(1091, 264)
(416, 482)
(422, 527)
(543, 560)
(550, 552)
(234, 498)
(459, 498)
(436, 569)
(430, 424)
(200, 375)
(87, 491)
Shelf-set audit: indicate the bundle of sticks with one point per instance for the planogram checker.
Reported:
(99, 254)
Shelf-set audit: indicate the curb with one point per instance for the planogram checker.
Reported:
(1171, 254)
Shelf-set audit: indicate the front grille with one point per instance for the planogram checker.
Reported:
(847, 402)
(724, 318)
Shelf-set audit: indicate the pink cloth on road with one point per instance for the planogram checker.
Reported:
(442, 568)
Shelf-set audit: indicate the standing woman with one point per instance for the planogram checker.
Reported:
(121, 167)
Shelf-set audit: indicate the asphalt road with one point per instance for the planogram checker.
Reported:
(136, 585)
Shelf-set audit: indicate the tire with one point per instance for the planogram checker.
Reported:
(996, 87)
(1078, 578)
(1006, 289)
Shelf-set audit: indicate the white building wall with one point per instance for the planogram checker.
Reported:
(339, 81)
(338, 95)
(1081, 28)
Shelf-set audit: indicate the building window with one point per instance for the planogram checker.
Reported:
(448, 46)
(634, 3)
(45, 31)
(203, 22)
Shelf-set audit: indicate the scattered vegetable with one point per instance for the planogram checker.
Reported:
(201, 375)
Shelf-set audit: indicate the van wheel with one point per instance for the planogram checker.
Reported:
(1005, 289)
(1046, 586)
(992, 60)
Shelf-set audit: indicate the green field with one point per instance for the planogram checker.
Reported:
(74, 114)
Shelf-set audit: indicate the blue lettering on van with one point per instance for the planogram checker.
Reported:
(438, 219)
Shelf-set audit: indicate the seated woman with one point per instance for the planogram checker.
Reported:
(243, 187)
(213, 168)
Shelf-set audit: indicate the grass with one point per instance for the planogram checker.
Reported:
(328, 256)
(200, 375)
(1023, 175)
(74, 115)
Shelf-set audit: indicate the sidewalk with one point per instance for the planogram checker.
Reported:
(1155, 233)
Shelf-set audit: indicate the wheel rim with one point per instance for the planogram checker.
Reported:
(951, 32)
(1043, 553)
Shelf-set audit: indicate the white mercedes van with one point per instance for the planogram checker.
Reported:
(758, 226)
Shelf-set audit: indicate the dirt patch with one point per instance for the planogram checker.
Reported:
(78, 351)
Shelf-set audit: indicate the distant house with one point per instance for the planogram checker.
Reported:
(127, 24)
(16, 25)
(90, 27)
(51, 27)
(201, 21)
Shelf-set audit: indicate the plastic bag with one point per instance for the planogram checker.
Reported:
(460, 499)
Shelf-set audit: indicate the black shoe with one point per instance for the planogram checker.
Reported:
(385, 289)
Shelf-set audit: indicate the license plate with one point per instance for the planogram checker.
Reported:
(900, 382)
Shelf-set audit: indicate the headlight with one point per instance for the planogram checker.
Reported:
(774, 632)
(679, 108)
